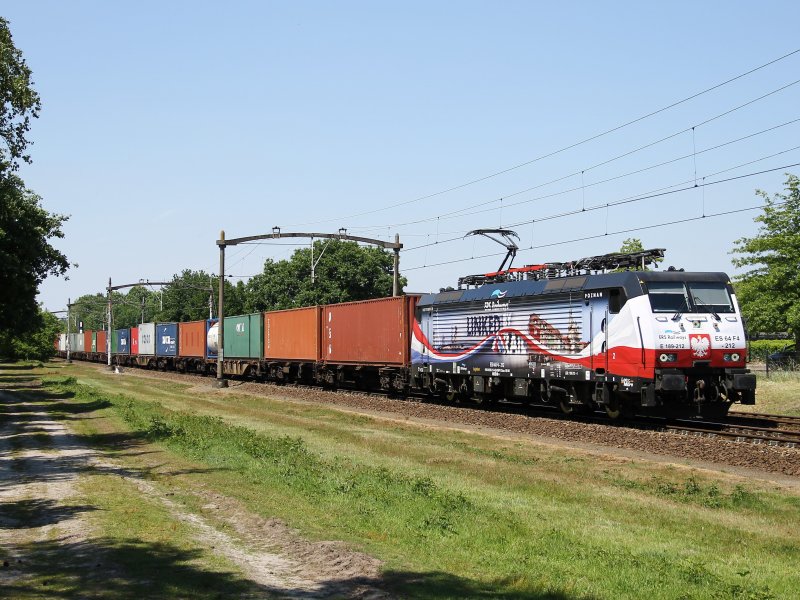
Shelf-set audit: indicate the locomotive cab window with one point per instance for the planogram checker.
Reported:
(699, 297)
(616, 300)
(711, 297)
(668, 296)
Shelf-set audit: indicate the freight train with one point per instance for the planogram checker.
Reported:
(628, 342)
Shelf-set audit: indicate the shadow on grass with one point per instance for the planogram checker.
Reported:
(112, 569)
(12, 379)
(437, 585)
(131, 569)
(35, 396)
(24, 514)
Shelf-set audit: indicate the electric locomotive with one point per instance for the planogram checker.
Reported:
(572, 334)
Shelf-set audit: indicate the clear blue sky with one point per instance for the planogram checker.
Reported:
(164, 122)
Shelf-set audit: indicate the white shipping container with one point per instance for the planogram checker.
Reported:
(62, 342)
(147, 338)
(73, 342)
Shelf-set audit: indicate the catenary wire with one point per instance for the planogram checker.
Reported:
(628, 199)
(563, 149)
(459, 214)
(463, 211)
(599, 235)
(620, 202)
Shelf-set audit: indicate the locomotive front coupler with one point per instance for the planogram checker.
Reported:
(699, 390)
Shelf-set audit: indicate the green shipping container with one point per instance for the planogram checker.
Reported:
(244, 336)
(94, 341)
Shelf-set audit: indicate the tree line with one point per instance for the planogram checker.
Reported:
(343, 271)
(26, 228)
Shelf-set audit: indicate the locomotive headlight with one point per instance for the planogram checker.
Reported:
(726, 357)
(735, 357)
(667, 357)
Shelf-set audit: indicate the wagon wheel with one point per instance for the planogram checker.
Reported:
(451, 395)
(481, 398)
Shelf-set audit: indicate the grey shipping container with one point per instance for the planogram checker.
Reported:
(147, 338)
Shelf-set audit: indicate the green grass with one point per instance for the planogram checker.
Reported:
(777, 394)
(462, 515)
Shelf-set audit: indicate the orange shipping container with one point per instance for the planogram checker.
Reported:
(87, 340)
(292, 334)
(369, 331)
(192, 338)
(101, 341)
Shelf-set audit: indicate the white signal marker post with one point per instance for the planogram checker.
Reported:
(221, 381)
(69, 330)
(108, 334)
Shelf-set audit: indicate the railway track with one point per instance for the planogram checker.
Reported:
(752, 428)
(764, 420)
(770, 436)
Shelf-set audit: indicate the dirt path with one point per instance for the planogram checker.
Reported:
(39, 469)
(41, 465)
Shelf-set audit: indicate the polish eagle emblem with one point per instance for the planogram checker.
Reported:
(700, 345)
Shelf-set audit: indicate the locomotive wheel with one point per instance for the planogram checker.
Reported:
(613, 408)
(565, 406)
(451, 395)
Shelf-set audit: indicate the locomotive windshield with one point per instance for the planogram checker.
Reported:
(680, 297)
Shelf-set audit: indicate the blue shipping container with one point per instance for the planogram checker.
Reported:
(123, 339)
(167, 339)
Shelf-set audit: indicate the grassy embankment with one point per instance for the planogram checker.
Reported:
(778, 393)
(457, 514)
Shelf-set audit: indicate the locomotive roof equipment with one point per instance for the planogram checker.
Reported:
(583, 266)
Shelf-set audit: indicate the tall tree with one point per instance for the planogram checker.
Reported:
(36, 344)
(90, 309)
(769, 293)
(19, 102)
(187, 297)
(26, 256)
(344, 271)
